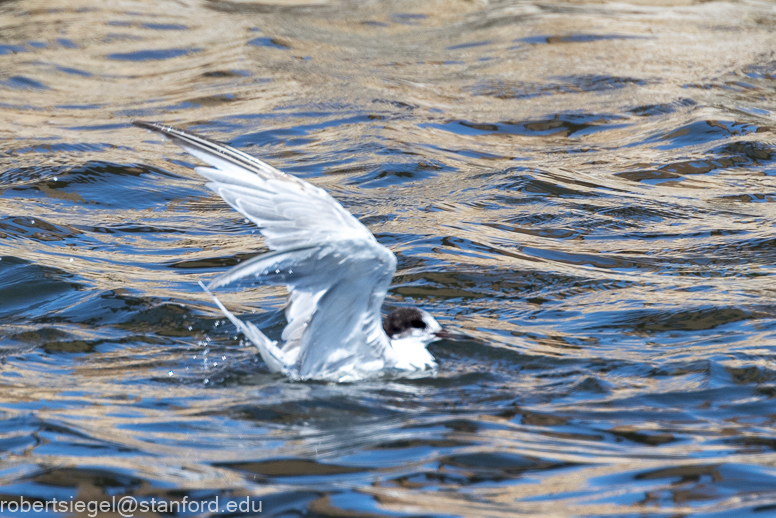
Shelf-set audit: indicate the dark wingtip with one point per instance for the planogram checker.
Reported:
(153, 126)
(173, 133)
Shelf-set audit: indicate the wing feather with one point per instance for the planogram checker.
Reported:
(344, 333)
(266, 195)
(286, 267)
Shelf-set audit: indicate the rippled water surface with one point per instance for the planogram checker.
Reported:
(586, 189)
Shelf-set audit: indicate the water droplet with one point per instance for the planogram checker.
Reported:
(290, 272)
(170, 373)
(71, 259)
(55, 178)
(32, 221)
(277, 271)
(207, 381)
(223, 357)
(190, 328)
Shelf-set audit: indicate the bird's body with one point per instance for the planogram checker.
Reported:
(336, 273)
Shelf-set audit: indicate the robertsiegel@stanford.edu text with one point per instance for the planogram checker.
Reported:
(127, 506)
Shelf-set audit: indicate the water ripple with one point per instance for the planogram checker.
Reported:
(585, 190)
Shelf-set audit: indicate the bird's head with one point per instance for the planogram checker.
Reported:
(413, 323)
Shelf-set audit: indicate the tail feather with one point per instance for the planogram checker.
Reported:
(268, 349)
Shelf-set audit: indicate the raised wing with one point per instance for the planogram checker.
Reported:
(336, 272)
(289, 212)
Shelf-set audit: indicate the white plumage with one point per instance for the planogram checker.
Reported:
(336, 273)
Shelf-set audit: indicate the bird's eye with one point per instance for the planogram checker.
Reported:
(418, 324)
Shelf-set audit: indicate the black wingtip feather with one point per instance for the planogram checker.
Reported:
(168, 131)
(189, 137)
(153, 126)
(220, 150)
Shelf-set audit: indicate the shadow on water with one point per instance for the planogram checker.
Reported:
(585, 189)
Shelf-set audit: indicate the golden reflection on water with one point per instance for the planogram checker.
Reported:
(584, 187)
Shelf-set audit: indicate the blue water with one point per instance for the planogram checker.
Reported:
(584, 189)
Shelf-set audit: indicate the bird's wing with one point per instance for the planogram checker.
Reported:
(289, 212)
(336, 272)
(336, 292)
(340, 317)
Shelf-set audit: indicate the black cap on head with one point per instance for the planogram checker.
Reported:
(402, 319)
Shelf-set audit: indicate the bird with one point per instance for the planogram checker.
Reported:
(336, 272)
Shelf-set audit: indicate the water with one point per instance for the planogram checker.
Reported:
(586, 189)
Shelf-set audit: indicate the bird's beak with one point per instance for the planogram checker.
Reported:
(444, 334)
